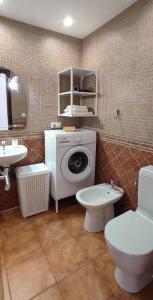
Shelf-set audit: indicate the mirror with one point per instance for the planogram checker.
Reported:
(13, 103)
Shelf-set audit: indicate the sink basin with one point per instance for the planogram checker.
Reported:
(12, 154)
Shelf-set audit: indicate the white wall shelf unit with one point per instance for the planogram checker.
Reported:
(85, 96)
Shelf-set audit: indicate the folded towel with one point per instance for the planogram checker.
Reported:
(78, 113)
(76, 108)
(80, 107)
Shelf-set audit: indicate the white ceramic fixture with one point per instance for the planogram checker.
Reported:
(98, 201)
(11, 154)
(70, 157)
(129, 238)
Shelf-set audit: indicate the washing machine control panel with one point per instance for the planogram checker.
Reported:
(76, 138)
(69, 140)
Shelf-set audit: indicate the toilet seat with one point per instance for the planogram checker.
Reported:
(124, 233)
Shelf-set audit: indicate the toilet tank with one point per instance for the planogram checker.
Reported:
(145, 190)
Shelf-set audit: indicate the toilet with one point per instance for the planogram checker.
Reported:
(129, 238)
(98, 201)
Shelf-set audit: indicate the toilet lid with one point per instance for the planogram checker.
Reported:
(130, 233)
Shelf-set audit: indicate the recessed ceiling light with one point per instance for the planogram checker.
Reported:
(68, 21)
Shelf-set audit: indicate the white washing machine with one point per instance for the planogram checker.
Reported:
(70, 158)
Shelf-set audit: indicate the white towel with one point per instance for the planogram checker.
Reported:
(76, 108)
(3, 101)
(77, 113)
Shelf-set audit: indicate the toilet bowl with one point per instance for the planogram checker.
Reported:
(98, 201)
(129, 238)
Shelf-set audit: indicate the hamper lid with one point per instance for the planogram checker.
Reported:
(31, 170)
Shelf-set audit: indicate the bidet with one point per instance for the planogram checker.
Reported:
(98, 201)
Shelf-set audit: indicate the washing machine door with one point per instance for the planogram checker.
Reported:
(77, 164)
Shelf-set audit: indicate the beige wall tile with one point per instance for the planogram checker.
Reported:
(36, 56)
(122, 53)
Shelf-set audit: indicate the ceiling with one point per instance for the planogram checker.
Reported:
(88, 15)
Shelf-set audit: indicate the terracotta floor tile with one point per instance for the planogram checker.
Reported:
(85, 284)
(70, 212)
(65, 257)
(52, 293)
(52, 232)
(92, 243)
(1, 286)
(2, 259)
(30, 277)
(106, 267)
(74, 226)
(2, 226)
(44, 218)
(5, 285)
(112, 298)
(14, 222)
(20, 245)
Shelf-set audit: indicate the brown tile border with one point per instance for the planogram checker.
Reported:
(22, 135)
(123, 141)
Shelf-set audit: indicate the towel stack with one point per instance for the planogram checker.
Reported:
(77, 110)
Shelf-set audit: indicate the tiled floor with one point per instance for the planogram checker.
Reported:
(51, 257)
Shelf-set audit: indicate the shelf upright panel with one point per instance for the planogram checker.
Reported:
(96, 100)
(71, 96)
(59, 102)
(81, 80)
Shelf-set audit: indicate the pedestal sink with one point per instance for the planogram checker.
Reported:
(9, 155)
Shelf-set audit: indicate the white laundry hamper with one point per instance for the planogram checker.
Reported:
(33, 189)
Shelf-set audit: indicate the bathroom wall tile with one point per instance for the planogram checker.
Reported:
(35, 155)
(30, 277)
(86, 283)
(70, 255)
(122, 53)
(122, 164)
(39, 71)
(39, 75)
(52, 293)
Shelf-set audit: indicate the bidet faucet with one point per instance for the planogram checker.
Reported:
(112, 183)
(3, 145)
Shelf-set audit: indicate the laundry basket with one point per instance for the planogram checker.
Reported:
(33, 188)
